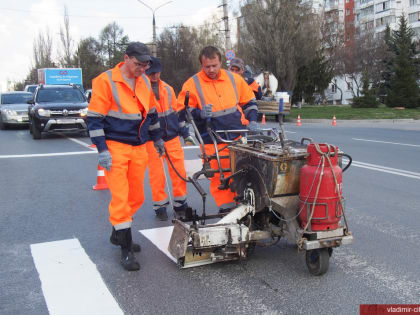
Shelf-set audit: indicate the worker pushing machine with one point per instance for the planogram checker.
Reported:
(121, 118)
(172, 127)
(237, 65)
(225, 101)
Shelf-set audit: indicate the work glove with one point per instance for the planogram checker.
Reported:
(105, 160)
(189, 140)
(160, 146)
(253, 126)
(206, 111)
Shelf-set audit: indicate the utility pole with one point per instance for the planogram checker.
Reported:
(227, 30)
(154, 45)
(238, 33)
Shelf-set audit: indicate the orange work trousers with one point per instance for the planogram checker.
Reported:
(125, 182)
(157, 174)
(223, 198)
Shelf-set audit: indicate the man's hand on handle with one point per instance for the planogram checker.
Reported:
(160, 146)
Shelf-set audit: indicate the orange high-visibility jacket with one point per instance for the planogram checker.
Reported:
(255, 87)
(231, 97)
(118, 113)
(167, 108)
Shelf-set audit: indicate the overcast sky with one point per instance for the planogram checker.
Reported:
(22, 20)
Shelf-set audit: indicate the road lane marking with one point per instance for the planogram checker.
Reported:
(160, 237)
(70, 281)
(385, 169)
(84, 144)
(397, 143)
(45, 154)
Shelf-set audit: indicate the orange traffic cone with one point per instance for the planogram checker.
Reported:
(263, 120)
(101, 183)
(334, 122)
(298, 122)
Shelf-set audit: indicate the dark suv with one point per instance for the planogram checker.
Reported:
(57, 108)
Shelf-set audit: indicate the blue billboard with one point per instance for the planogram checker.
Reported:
(60, 76)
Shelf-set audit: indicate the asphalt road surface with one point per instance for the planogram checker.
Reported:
(55, 255)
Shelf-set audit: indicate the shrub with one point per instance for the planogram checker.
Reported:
(365, 101)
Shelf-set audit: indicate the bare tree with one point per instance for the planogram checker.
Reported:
(113, 43)
(279, 36)
(66, 42)
(364, 55)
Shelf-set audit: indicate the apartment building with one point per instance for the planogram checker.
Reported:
(376, 14)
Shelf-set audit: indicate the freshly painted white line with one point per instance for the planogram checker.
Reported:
(45, 154)
(160, 237)
(193, 166)
(70, 281)
(291, 132)
(397, 143)
(84, 144)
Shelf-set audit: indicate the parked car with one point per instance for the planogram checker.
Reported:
(30, 88)
(57, 108)
(14, 108)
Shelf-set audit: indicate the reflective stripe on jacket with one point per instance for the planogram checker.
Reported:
(227, 93)
(118, 113)
(169, 121)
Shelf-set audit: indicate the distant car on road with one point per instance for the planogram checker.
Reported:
(57, 108)
(88, 94)
(30, 88)
(14, 108)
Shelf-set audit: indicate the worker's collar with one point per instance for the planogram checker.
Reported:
(222, 76)
(117, 74)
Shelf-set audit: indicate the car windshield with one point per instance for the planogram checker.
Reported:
(57, 95)
(31, 88)
(15, 98)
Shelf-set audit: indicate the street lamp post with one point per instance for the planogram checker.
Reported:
(154, 50)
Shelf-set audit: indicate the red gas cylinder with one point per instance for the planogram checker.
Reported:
(328, 211)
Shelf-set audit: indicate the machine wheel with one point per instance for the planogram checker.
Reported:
(36, 133)
(317, 261)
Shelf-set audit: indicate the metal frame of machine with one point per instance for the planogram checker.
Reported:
(265, 169)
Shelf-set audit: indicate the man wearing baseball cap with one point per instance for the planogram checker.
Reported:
(237, 66)
(172, 127)
(121, 118)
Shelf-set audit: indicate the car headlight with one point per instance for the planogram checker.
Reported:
(83, 112)
(44, 112)
(10, 112)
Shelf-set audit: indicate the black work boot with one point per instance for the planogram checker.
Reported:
(113, 239)
(128, 260)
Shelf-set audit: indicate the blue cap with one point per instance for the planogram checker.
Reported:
(155, 67)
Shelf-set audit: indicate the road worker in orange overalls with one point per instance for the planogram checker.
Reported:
(172, 127)
(121, 118)
(237, 65)
(225, 101)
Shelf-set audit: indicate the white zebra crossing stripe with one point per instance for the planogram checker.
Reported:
(160, 237)
(70, 281)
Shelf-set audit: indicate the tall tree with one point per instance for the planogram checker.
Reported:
(87, 58)
(178, 51)
(113, 43)
(279, 36)
(404, 89)
(66, 42)
(42, 55)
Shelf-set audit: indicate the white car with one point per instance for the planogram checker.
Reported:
(14, 108)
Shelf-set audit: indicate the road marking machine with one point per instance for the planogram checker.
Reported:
(284, 188)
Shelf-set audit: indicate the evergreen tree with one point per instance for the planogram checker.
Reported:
(404, 90)
(368, 98)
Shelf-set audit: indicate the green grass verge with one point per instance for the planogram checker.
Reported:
(346, 112)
